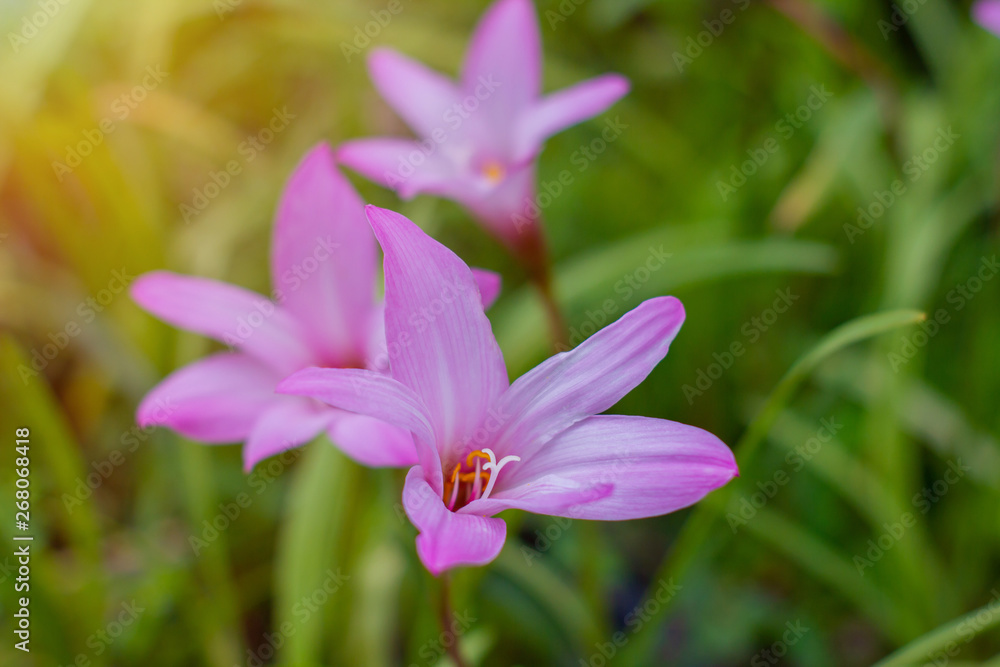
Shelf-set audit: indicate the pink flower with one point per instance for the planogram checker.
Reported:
(539, 444)
(987, 14)
(479, 136)
(323, 263)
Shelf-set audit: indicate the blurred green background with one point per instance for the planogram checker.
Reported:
(867, 512)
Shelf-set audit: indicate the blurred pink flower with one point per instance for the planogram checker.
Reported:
(323, 264)
(539, 444)
(480, 136)
(987, 14)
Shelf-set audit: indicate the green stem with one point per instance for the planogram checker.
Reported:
(445, 619)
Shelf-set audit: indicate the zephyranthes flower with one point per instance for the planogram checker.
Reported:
(539, 444)
(479, 136)
(324, 313)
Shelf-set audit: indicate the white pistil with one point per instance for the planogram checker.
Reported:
(493, 466)
(477, 484)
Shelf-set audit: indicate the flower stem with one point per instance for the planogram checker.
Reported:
(532, 251)
(445, 618)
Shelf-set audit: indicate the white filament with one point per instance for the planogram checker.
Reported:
(493, 466)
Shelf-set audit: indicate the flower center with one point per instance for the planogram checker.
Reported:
(494, 172)
(461, 487)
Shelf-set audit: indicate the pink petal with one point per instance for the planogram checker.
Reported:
(449, 357)
(635, 467)
(489, 284)
(374, 395)
(372, 442)
(217, 399)
(290, 422)
(447, 539)
(505, 53)
(565, 108)
(408, 167)
(587, 380)
(987, 14)
(323, 259)
(419, 95)
(235, 316)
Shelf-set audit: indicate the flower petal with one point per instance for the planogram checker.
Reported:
(419, 95)
(587, 380)
(374, 395)
(449, 357)
(634, 467)
(447, 539)
(372, 442)
(217, 399)
(565, 108)
(323, 259)
(406, 166)
(987, 14)
(290, 422)
(235, 316)
(489, 284)
(505, 53)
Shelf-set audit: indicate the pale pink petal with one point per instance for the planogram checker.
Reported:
(288, 423)
(323, 259)
(216, 400)
(447, 539)
(489, 284)
(374, 395)
(563, 109)
(987, 14)
(372, 442)
(449, 357)
(505, 54)
(419, 95)
(406, 166)
(633, 467)
(587, 380)
(237, 317)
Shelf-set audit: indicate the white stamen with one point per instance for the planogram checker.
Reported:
(495, 467)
